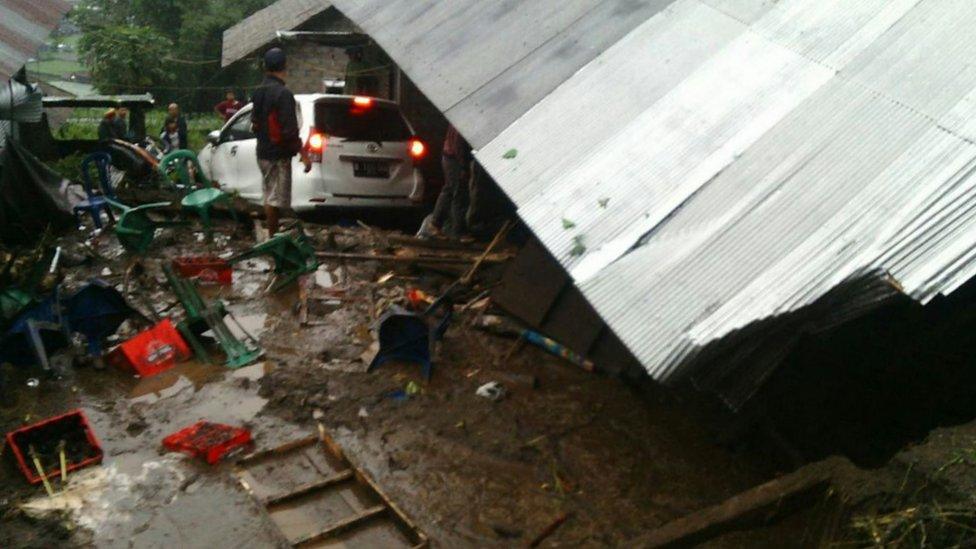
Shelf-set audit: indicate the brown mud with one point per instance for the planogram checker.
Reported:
(617, 460)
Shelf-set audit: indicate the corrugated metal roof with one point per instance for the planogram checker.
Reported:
(261, 28)
(20, 103)
(132, 100)
(726, 163)
(24, 26)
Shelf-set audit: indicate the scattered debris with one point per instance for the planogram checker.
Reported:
(281, 476)
(567, 224)
(208, 441)
(491, 390)
(510, 154)
(152, 351)
(549, 530)
(207, 269)
(69, 435)
(579, 248)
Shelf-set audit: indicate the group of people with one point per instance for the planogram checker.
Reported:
(462, 208)
(115, 125)
(174, 133)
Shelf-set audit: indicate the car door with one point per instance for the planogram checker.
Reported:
(235, 164)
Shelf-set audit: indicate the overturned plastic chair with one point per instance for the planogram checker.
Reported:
(176, 162)
(200, 201)
(292, 256)
(202, 317)
(135, 229)
(96, 202)
(406, 336)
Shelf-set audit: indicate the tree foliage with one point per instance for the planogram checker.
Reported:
(126, 59)
(174, 45)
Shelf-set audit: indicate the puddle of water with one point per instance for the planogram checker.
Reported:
(253, 372)
(252, 323)
(169, 383)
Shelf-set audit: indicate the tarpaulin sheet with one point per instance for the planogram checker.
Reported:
(30, 201)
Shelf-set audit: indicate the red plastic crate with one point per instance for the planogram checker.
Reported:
(208, 269)
(82, 448)
(210, 441)
(151, 351)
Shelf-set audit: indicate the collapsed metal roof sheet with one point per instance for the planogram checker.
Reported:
(261, 28)
(723, 163)
(24, 26)
(20, 102)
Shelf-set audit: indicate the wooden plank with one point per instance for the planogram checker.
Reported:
(572, 321)
(277, 451)
(406, 525)
(424, 259)
(765, 500)
(309, 488)
(342, 525)
(531, 284)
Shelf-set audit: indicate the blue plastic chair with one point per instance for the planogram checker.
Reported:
(96, 202)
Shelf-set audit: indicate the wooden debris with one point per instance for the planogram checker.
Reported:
(499, 236)
(415, 259)
(776, 497)
(549, 530)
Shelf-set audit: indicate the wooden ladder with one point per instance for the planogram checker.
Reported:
(274, 478)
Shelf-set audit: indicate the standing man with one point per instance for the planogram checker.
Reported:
(106, 128)
(275, 123)
(229, 106)
(122, 124)
(173, 113)
(452, 205)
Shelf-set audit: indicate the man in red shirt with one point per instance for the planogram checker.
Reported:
(229, 106)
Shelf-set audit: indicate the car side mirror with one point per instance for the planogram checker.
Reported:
(214, 137)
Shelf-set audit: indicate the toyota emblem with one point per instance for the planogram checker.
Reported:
(372, 147)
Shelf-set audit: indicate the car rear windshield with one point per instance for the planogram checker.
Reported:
(376, 122)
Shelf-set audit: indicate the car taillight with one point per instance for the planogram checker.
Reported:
(362, 101)
(417, 148)
(315, 146)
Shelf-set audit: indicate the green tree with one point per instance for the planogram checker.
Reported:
(180, 55)
(127, 59)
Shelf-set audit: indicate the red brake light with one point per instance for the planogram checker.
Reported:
(361, 101)
(316, 142)
(417, 148)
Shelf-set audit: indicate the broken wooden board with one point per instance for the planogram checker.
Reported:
(764, 502)
(318, 498)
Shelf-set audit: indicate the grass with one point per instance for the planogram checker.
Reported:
(60, 67)
(925, 525)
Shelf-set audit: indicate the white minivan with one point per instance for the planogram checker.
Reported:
(364, 154)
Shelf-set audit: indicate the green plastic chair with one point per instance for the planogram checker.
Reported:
(135, 229)
(202, 317)
(203, 201)
(293, 257)
(200, 201)
(176, 161)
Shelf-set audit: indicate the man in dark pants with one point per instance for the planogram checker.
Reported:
(452, 204)
(275, 123)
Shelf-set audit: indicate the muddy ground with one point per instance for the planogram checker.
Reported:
(618, 460)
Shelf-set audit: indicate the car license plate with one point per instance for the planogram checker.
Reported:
(371, 169)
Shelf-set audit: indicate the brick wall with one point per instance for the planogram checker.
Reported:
(309, 64)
